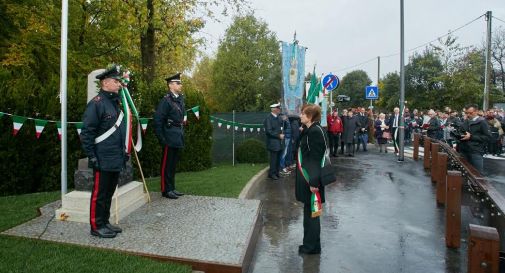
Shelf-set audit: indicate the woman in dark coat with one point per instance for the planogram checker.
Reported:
(351, 126)
(312, 149)
(381, 126)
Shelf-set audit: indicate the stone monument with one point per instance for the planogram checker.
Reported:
(76, 204)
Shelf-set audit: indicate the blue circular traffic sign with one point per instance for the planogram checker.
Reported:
(330, 82)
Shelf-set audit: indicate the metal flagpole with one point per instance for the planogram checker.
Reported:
(63, 95)
(401, 126)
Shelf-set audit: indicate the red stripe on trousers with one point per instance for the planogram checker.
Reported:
(93, 200)
(163, 169)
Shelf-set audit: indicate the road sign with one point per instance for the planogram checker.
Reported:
(371, 93)
(330, 82)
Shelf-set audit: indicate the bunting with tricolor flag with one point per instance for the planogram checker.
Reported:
(143, 123)
(18, 122)
(196, 110)
(58, 125)
(78, 126)
(39, 126)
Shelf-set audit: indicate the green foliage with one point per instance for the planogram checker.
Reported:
(353, 85)
(196, 154)
(446, 75)
(247, 70)
(151, 38)
(252, 151)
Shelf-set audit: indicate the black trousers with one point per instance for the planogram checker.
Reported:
(395, 136)
(334, 142)
(275, 159)
(349, 148)
(311, 230)
(101, 197)
(168, 163)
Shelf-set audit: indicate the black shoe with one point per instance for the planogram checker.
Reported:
(304, 250)
(103, 232)
(169, 195)
(274, 177)
(116, 229)
(178, 193)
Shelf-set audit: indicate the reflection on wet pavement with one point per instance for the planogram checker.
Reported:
(380, 216)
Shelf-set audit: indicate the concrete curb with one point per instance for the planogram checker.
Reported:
(252, 183)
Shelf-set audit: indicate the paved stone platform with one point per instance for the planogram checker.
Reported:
(210, 233)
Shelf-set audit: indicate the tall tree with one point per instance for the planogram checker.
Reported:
(498, 53)
(247, 69)
(353, 85)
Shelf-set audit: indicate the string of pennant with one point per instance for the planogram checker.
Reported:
(40, 124)
(228, 124)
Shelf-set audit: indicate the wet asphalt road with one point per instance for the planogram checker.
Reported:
(380, 216)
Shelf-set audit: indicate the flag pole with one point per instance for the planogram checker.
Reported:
(63, 95)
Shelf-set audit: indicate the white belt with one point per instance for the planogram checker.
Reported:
(112, 129)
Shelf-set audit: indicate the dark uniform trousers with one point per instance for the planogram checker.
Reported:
(311, 229)
(101, 197)
(168, 163)
(275, 159)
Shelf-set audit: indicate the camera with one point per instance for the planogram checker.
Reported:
(457, 131)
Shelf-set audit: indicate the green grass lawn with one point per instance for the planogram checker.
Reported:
(221, 180)
(26, 255)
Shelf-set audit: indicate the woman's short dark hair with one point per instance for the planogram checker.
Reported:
(312, 111)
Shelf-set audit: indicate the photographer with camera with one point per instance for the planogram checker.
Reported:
(473, 137)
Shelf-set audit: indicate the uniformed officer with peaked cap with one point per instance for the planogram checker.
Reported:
(103, 140)
(274, 139)
(168, 126)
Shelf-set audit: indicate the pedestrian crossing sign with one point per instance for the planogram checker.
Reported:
(371, 93)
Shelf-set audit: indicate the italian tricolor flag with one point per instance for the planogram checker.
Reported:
(39, 126)
(58, 125)
(196, 110)
(143, 123)
(18, 123)
(78, 125)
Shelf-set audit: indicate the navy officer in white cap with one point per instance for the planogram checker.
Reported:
(275, 136)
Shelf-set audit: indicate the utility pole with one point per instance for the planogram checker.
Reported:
(401, 126)
(378, 69)
(487, 71)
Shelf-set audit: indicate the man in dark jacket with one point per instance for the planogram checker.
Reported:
(394, 122)
(363, 129)
(274, 135)
(168, 127)
(103, 139)
(433, 127)
(477, 135)
(351, 126)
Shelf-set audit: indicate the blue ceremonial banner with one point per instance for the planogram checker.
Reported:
(324, 108)
(293, 74)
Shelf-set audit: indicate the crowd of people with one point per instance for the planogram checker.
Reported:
(350, 130)
(303, 140)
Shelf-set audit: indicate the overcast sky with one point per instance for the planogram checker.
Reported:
(344, 33)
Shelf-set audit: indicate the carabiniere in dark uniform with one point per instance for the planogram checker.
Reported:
(103, 140)
(168, 126)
